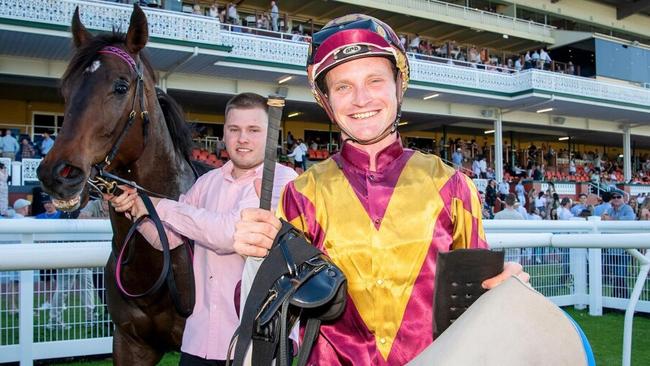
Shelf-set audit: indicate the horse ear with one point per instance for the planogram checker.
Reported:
(138, 34)
(79, 33)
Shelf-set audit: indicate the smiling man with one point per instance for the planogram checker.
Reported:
(207, 214)
(381, 212)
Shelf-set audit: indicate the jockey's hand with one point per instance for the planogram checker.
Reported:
(255, 233)
(509, 269)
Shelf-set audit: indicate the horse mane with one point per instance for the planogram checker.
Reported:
(179, 130)
(85, 55)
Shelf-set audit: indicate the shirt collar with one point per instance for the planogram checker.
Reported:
(227, 169)
(361, 160)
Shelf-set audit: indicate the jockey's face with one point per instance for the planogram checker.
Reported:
(245, 138)
(363, 96)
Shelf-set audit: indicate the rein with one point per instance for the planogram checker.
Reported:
(105, 182)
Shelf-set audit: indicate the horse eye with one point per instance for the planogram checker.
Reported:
(121, 87)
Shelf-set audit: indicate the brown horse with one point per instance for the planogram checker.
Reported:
(103, 98)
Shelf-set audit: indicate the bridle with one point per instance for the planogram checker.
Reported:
(104, 182)
(99, 179)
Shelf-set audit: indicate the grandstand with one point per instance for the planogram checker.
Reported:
(555, 93)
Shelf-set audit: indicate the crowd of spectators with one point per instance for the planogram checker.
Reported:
(23, 147)
(483, 58)
(532, 205)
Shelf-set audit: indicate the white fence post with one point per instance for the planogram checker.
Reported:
(16, 173)
(578, 265)
(595, 277)
(26, 316)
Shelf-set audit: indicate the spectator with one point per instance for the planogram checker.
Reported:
(509, 213)
(50, 211)
(196, 10)
(535, 60)
(570, 69)
(491, 194)
(520, 191)
(9, 145)
(619, 210)
(564, 212)
(545, 59)
(540, 203)
(504, 189)
(602, 208)
(580, 206)
(634, 204)
(290, 140)
(275, 16)
(65, 281)
(233, 17)
(520, 208)
(95, 209)
(298, 155)
(21, 208)
(26, 150)
(213, 12)
(457, 159)
(46, 143)
(4, 190)
(414, 46)
(616, 261)
(482, 165)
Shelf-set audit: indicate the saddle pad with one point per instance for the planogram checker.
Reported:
(509, 325)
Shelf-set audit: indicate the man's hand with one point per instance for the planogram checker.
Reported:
(255, 233)
(509, 269)
(129, 202)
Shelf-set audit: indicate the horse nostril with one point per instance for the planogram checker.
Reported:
(68, 172)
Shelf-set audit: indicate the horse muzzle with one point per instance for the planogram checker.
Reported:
(64, 182)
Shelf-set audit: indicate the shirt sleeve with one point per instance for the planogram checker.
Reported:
(184, 218)
(466, 215)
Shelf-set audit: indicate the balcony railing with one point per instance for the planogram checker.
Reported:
(281, 48)
(503, 22)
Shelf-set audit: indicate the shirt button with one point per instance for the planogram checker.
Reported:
(382, 341)
(380, 282)
(377, 221)
(371, 177)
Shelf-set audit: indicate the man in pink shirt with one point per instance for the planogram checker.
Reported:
(207, 214)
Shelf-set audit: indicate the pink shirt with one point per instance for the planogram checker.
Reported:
(207, 213)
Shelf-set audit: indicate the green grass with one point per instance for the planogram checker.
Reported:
(605, 334)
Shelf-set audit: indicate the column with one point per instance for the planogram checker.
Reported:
(627, 154)
(498, 147)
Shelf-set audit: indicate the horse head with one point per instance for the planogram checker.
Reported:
(107, 87)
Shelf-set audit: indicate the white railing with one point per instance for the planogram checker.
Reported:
(263, 45)
(555, 250)
(503, 22)
(21, 172)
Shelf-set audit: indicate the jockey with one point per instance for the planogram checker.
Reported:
(380, 211)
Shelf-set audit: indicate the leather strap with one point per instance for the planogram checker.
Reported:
(272, 268)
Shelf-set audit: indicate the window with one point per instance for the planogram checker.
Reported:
(46, 122)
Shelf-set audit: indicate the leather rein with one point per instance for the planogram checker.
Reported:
(104, 182)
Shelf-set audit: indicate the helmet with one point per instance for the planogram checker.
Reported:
(349, 38)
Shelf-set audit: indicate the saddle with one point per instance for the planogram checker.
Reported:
(295, 282)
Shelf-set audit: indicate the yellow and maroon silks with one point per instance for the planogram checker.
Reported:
(384, 232)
